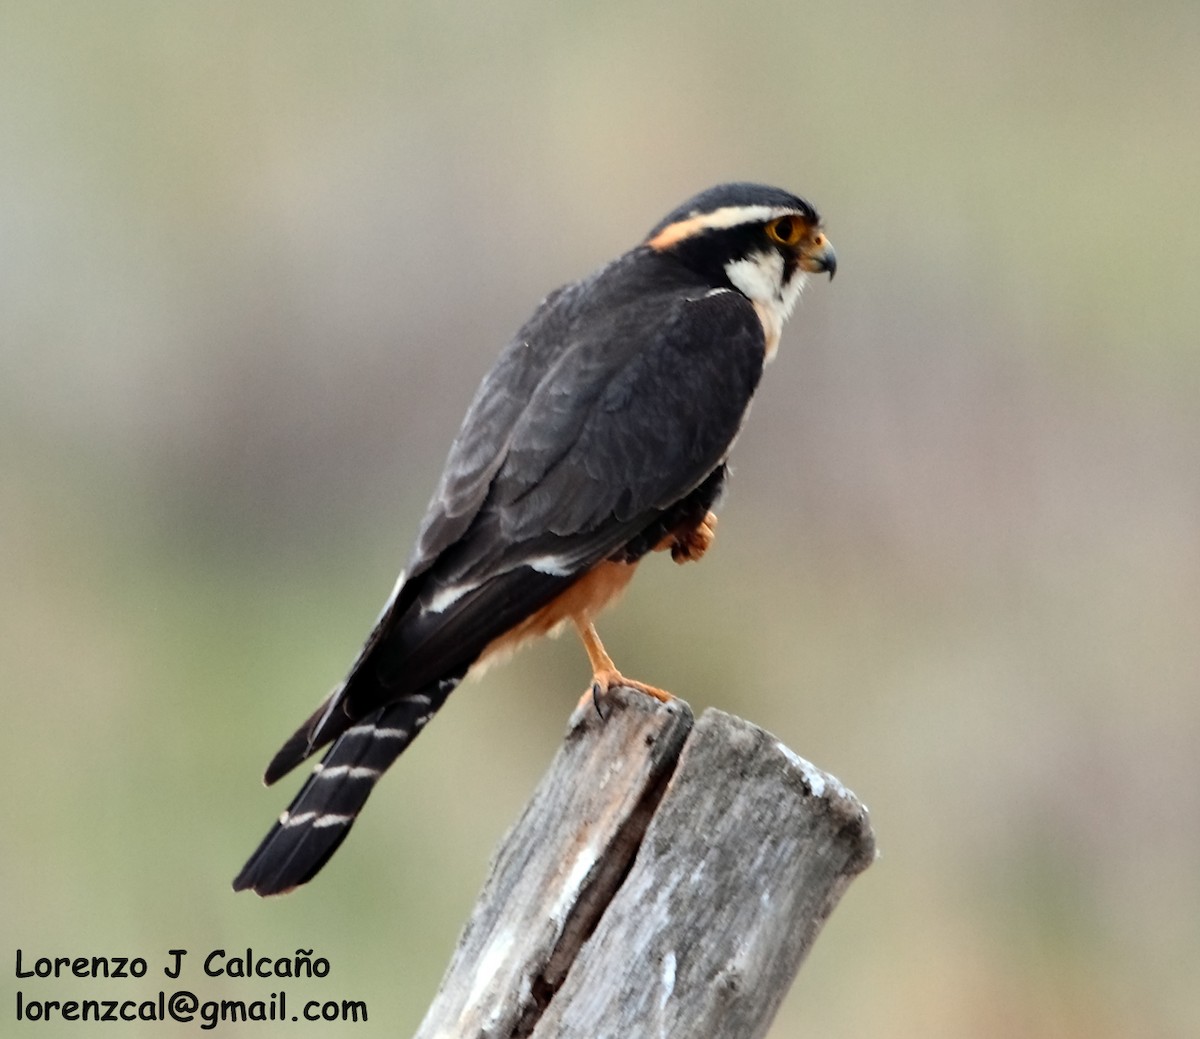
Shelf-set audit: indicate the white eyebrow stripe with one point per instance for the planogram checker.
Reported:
(717, 220)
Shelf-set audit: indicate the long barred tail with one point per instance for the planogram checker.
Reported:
(321, 814)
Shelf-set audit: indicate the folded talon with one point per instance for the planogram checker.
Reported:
(661, 695)
(610, 679)
(687, 546)
(605, 676)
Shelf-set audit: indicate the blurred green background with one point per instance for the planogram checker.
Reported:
(255, 258)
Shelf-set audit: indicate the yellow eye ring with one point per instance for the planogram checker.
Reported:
(786, 230)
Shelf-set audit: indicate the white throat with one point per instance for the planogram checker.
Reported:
(759, 277)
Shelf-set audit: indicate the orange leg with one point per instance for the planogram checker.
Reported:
(605, 675)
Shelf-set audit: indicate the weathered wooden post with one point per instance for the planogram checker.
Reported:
(664, 880)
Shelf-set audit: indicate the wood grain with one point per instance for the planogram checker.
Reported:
(663, 881)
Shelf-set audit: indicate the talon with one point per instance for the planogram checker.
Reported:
(661, 695)
(610, 679)
(689, 545)
(605, 676)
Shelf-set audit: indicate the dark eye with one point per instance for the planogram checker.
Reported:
(786, 230)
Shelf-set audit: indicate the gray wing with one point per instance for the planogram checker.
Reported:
(584, 443)
(588, 431)
(483, 439)
(624, 420)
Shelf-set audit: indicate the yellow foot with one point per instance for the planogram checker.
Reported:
(690, 545)
(604, 675)
(603, 682)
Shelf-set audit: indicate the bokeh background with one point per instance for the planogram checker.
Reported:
(254, 259)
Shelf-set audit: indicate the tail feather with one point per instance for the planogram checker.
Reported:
(321, 814)
(302, 742)
(411, 662)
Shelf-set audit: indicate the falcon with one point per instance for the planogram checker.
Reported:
(601, 434)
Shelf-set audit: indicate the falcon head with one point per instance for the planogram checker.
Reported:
(757, 240)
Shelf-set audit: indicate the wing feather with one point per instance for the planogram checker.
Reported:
(610, 408)
(483, 440)
(626, 421)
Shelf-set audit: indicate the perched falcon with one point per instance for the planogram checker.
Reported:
(600, 435)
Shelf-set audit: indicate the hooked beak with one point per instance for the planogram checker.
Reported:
(818, 257)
